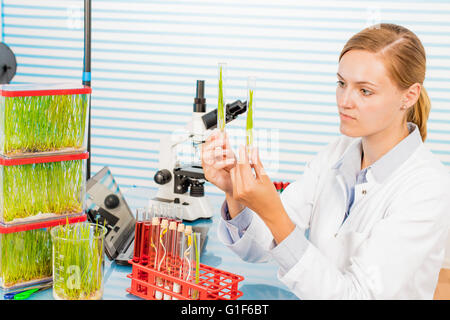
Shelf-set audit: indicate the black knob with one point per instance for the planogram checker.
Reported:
(176, 200)
(162, 176)
(112, 201)
(197, 190)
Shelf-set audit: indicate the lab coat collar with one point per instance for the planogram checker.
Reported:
(380, 170)
(387, 164)
(351, 158)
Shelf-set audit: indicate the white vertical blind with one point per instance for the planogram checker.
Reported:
(147, 56)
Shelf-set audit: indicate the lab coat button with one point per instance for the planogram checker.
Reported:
(364, 192)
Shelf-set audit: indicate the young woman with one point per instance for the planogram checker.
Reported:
(376, 201)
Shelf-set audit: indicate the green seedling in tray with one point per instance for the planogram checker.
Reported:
(26, 256)
(53, 187)
(78, 261)
(43, 123)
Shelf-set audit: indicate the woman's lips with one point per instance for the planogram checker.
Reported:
(345, 117)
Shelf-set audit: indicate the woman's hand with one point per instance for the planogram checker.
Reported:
(217, 160)
(257, 192)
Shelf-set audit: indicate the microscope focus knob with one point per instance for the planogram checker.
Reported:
(162, 176)
(111, 201)
(197, 190)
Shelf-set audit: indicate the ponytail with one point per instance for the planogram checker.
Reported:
(418, 114)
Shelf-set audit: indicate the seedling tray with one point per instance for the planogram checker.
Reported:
(43, 119)
(26, 253)
(41, 188)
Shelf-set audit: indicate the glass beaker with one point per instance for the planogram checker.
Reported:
(78, 261)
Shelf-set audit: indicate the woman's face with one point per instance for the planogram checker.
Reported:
(368, 101)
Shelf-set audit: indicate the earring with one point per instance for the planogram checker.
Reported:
(403, 107)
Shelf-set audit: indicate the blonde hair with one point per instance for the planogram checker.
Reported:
(405, 60)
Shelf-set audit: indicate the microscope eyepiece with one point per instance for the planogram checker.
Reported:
(199, 100)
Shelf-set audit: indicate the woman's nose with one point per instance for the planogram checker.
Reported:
(344, 98)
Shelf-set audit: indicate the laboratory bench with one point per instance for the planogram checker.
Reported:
(260, 280)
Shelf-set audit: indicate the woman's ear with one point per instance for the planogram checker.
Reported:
(411, 96)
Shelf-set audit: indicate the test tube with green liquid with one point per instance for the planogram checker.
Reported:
(251, 85)
(222, 69)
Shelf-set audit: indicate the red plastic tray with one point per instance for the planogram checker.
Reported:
(44, 92)
(53, 158)
(42, 224)
(213, 284)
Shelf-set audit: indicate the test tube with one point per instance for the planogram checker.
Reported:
(221, 103)
(179, 211)
(170, 243)
(154, 241)
(157, 210)
(195, 256)
(151, 212)
(249, 132)
(145, 242)
(163, 210)
(137, 238)
(178, 258)
(187, 268)
(171, 213)
(162, 254)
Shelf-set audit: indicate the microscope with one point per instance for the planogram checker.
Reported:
(183, 185)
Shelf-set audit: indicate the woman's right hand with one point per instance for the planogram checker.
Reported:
(217, 160)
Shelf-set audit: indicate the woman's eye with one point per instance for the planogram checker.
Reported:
(366, 92)
(340, 83)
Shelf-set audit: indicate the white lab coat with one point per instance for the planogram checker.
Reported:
(390, 247)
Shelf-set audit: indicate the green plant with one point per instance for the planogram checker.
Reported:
(249, 128)
(78, 261)
(43, 123)
(25, 256)
(54, 187)
(220, 104)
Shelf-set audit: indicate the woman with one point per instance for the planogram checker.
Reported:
(375, 201)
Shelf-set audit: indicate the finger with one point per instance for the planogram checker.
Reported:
(233, 181)
(243, 157)
(238, 181)
(229, 155)
(257, 164)
(211, 145)
(224, 164)
(219, 142)
(210, 138)
(245, 169)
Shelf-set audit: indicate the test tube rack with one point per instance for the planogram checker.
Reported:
(211, 283)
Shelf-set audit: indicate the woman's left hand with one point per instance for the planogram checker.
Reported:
(257, 192)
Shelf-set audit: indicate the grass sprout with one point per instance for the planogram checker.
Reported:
(220, 104)
(43, 123)
(30, 189)
(25, 256)
(249, 127)
(78, 261)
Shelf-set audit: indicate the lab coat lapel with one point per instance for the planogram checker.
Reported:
(371, 188)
